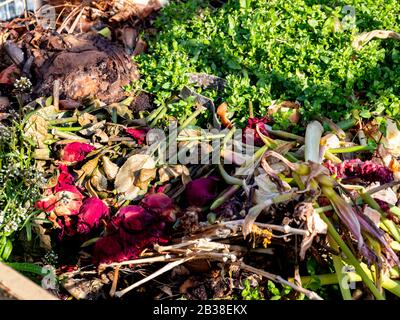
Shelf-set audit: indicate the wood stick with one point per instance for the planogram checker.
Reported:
(159, 272)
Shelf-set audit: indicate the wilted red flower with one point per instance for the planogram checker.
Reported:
(133, 229)
(250, 131)
(75, 151)
(202, 191)
(90, 214)
(68, 200)
(65, 201)
(67, 227)
(64, 178)
(160, 205)
(366, 170)
(109, 249)
(133, 218)
(47, 203)
(125, 245)
(63, 194)
(138, 134)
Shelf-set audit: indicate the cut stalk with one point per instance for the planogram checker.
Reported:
(313, 137)
(204, 137)
(389, 224)
(190, 119)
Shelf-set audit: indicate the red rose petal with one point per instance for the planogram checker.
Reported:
(75, 152)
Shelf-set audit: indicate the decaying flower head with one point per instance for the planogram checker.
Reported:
(63, 199)
(133, 229)
(160, 205)
(365, 170)
(139, 134)
(133, 218)
(250, 131)
(75, 152)
(92, 211)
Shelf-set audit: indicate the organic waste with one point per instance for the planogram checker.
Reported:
(257, 157)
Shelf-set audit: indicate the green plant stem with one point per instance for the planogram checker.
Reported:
(334, 128)
(328, 155)
(190, 119)
(154, 113)
(66, 129)
(329, 279)
(351, 149)
(284, 134)
(395, 210)
(63, 121)
(351, 258)
(226, 195)
(338, 265)
(347, 124)
(228, 136)
(390, 225)
(159, 116)
(70, 136)
(290, 156)
(228, 178)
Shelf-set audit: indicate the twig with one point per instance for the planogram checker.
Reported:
(115, 281)
(383, 187)
(56, 93)
(72, 29)
(159, 272)
(163, 258)
(284, 229)
(310, 294)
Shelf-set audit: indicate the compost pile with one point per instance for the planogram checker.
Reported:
(131, 200)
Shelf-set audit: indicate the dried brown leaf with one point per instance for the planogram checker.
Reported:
(99, 181)
(125, 179)
(110, 168)
(87, 170)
